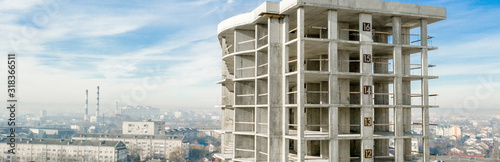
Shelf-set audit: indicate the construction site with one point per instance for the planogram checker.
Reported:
(327, 80)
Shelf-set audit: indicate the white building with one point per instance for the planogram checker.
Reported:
(447, 131)
(177, 114)
(146, 127)
(64, 150)
(93, 119)
(414, 145)
(75, 127)
(157, 146)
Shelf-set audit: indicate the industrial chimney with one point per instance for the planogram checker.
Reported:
(116, 109)
(97, 109)
(86, 117)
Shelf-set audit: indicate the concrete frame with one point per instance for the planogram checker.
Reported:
(257, 50)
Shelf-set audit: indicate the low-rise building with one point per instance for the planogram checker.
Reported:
(29, 149)
(146, 146)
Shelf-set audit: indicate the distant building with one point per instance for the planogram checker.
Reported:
(44, 131)
(64, 150)
(53, 132)
(414, 145)
(140, 112)
(177, 114)
(93, 119)
(75, 127)
(146, 127)
(455, 150)
(43, 113)
(447, 131)
(155, 146)
(215, 117)
(473, 151)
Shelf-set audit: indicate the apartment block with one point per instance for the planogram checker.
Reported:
(146, 127)
(29, 149)
(146, 146)
(327, 80)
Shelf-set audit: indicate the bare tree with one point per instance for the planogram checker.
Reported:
(178, 154)
(134, 152)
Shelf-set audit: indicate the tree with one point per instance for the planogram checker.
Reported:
(178, 154)
(197, 153)
(134, 152)
(31, 135)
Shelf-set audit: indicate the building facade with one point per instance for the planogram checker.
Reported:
(146, 146)
(447, 131)
(146, 127)
(326, 80)
(64, 150)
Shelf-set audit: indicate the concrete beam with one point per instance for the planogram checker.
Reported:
(284, 89)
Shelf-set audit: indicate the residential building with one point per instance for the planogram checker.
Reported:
(321, 80)
(146, 127)
(447, 131)
(146, 146)
(29, 149)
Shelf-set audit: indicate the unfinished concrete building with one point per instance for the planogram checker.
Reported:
(327, 80)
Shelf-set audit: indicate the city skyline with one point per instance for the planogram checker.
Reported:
(67, 47)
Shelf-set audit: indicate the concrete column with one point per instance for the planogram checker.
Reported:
(274, 90)
(301, 145)
(333, 90)
(397, 89)
(333, 33)
(256, 111)
(405, 36)
(406, 97)
(425, 90)
(423, 32)
(284, 89)
(233, 149)
(365, 37)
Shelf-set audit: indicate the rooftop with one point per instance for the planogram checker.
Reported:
(102, 135)
(409, 13)
(71, 142)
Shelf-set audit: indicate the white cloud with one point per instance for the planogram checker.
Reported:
(18, 5)
(464, 69)
(475, 47)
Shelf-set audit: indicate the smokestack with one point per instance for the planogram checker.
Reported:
(97, 110)
(116, 109)
(86, 117)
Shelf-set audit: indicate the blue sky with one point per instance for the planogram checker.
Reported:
(166, 53)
